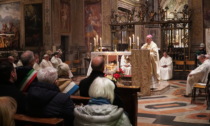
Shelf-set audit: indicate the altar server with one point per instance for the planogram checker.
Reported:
(46, 62)
(125, 65)
(200, 74)
(154, 57)
(166, 67)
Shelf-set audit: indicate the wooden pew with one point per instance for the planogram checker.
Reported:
(24, 120)
(129, 97)
(130, 100)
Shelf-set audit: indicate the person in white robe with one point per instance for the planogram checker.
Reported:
(55, 60)
(154, 57)
(166, 67)
(36, 63)
(125, 65)
(46, 62)
(200, 74)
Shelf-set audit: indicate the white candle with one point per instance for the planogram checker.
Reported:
(100, 41)
(129, 41)
(133, 37)
(94, 41)
(137, 40)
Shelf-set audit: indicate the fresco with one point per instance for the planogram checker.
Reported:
(9, 25)
(93, 23)
(33, 25)
(65, 16)
(206, 13)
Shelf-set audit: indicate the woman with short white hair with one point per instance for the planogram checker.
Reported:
(100, 111)
(65, 84)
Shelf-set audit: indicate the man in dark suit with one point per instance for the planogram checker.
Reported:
(7, 85)
(97, 65)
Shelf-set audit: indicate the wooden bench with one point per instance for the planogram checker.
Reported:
(24, 120)
(129, 98)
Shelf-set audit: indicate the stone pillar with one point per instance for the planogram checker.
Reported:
(197, 31)
(106, 14)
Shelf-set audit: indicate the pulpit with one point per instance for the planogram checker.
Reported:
(141, 70)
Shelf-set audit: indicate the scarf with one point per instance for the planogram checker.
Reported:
(98, 101)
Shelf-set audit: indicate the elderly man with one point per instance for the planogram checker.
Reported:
(44, 98)
(26, 74)
(166, 67)
(45, 62)
(154, 56)
(11, 59)
(97, 65)
(200, 74)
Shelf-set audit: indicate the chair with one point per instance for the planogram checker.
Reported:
(179, 65)
(190, 65)
(200, 86)
(77, 66)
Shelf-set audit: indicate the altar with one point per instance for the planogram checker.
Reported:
(141, 68)
(112, 62)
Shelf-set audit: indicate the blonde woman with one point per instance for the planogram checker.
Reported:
(8, 108)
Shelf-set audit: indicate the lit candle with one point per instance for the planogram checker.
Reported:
(133, 37)
(96, 40)
(137, 40)
(129, 41)
(101, 42)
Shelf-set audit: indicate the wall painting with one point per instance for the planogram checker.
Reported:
(10, 25)
(33, 25)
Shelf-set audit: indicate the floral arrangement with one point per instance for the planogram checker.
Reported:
(116, 76)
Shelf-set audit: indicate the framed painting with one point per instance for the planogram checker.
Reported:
(65, 14)
(206, 13)
(33, 25)
(93, 23)
(10, 25)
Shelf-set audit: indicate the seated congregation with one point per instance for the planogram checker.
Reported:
(45, 93)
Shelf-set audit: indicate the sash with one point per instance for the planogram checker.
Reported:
(28, 79)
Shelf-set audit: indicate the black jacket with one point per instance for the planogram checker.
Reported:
(85, 85)
(45, 100)
(10, 89)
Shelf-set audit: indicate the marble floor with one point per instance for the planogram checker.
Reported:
(171, 108)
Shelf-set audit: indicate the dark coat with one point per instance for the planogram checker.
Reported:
(45, 100)
(85, 85)
(9, 89)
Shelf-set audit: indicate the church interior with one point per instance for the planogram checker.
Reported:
(157, 53)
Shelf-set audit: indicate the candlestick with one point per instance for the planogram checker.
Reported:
(137, 42)
(133, 37)
(96, 40)
(129, 46)
(100, 44)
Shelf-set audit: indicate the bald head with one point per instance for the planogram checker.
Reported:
(98, 63)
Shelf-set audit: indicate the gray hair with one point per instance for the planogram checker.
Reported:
(102, 87)
(27, 58)
(47, 75)
(63, 69)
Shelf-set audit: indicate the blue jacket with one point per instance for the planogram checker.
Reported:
(45, 100)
